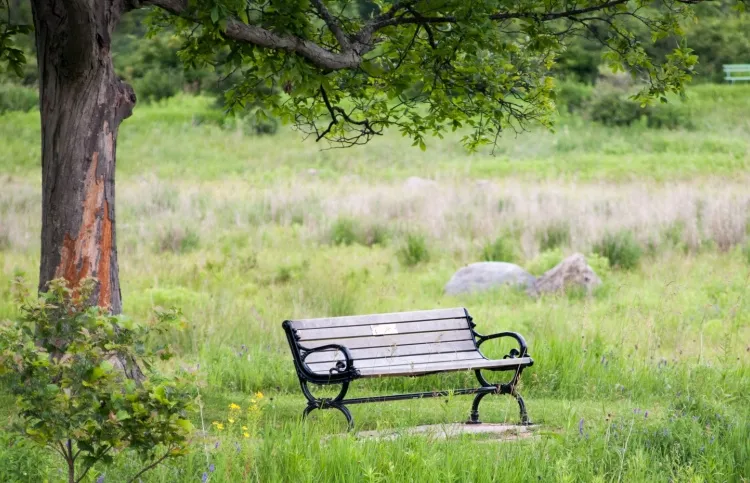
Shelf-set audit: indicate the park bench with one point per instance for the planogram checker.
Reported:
(737, 72)
(338, 350)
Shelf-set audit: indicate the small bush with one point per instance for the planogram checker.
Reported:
(545, 261)
(71, 367)
(614, 109)
(668, 116)
(621, 249)
(344, 231)
(179, 240)
(156, 85)
(18, 98)
(414, 251)
(502, 249)
(599, 264)
(554, 236)
(375, 235)
(573, 96)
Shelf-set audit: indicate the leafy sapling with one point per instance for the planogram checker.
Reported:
(81, 394)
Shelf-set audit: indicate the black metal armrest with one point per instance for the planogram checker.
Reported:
(340, 367)
(523, 348)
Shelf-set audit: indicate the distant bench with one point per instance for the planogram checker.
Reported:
(338, 350)
(737, 72)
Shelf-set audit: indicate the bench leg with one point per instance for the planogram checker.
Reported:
(344, 410)
(522, 407)
(474, 416)
(335, 403)
(509, 388)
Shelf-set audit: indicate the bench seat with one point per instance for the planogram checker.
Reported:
(338, 350)
(436, 367)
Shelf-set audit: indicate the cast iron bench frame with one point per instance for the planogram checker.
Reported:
(343, 366)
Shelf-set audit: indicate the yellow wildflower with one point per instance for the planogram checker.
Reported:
(259, 395)
(244, 428)
(246, 434)
(234, 407)
(253, 401)
(231, 421)
(218, 425)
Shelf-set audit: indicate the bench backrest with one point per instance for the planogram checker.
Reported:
(402, 337)
(737, 68)
(737, 72)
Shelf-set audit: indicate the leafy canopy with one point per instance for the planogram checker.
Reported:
(345, 74)
(345, 70)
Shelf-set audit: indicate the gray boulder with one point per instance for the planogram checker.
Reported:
(571, 272)
(482, 276)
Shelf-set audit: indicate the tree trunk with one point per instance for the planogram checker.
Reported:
(82, 103)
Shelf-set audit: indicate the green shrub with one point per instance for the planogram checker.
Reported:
(599, 264)
(156, 85)
(503, 249)
(178, 240)
(573, 96)
(344, 231)
(375, 235)
(554, 235)
(211, 116)
(71, 367)
(668, 116)
(546, 260)
(613, 108)
(18, 98)
(621, 249)
(414, 251)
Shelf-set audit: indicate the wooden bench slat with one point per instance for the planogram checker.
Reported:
(380, 330)
(394, 351)
(391, 340)
(389, 318)
(417, 369)
(324, 367)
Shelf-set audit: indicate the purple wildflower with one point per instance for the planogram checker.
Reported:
(100, 479)
(216, 446)
(580, 427)
(645, 415)
(211, 468)
(204, 478)
(237, 446)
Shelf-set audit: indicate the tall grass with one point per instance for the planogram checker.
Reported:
(646, 380)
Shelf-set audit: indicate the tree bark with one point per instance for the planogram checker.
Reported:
(82, 103)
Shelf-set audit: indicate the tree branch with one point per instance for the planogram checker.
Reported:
(556, 15)
(256, 35)
(333, 24)
(311, 51)
(152, 465)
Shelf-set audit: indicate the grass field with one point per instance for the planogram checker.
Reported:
(646, 380)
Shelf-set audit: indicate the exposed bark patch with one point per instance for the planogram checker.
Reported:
(89, 253)
(104, 269)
